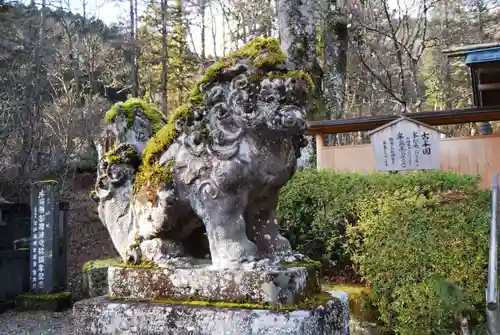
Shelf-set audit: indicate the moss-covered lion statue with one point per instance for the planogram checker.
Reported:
(206, 180)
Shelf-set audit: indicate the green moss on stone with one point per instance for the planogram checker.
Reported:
(320, 299)
(151, 112)
(316, 300)
(99, 263)
(306, 263)
(113, 157)
(143, 265)
(214, 71)
(262, 52)
(46, 296)
(150, 178)
(166, 135)
(298, 74)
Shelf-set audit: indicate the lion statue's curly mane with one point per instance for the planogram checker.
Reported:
(206, 181)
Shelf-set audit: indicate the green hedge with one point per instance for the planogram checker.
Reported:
(420, 240)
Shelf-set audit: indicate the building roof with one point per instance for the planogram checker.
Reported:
(401, 118)
(466, 49)
(483, 56)
(433, 118)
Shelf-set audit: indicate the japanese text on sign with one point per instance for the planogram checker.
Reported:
(406, 146)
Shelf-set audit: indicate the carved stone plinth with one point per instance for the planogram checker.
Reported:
(274, 286)
(95, 277)
(103, 316)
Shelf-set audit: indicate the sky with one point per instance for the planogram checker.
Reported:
(113, 11)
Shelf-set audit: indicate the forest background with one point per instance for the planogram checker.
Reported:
(58, 59)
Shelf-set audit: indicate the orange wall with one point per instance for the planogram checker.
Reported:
(478, 155)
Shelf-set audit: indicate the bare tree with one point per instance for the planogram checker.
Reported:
(133, 47)
(390, 43)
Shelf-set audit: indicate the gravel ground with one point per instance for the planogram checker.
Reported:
(35, 323)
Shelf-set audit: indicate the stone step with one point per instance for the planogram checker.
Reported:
(276, 286)
(104, 316)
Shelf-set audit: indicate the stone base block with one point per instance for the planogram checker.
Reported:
(276, 286)
(103, 316)
(53, 302)
(95, 277)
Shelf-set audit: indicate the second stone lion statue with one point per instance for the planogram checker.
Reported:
(206, 181)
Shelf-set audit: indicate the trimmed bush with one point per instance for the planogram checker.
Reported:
(419, 239)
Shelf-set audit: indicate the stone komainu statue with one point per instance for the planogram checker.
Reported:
(207, 180)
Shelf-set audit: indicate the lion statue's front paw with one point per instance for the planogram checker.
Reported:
(157, 248)
(133, 254)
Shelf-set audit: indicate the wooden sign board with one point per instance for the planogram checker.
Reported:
(405, 144)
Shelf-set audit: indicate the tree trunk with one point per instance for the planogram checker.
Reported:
(137, 51)
(214, 32)
(297, 29)
(224, 41)
(31, 129)
(447, 70)
(135, 84)
(335, 37)
(203, 35)
(164, 56)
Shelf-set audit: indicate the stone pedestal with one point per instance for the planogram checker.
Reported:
(54, 302)
(201, 300)
(275, 286)
(95, 277)
(103, 316)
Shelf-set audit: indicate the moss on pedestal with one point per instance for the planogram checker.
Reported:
(46, 296)
(319, 299)
(304, 263)
(142, 265)
(99, 263)
(44, 301)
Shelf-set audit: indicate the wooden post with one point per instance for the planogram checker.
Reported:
(320, 143)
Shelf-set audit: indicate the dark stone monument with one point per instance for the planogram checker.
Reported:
(48, 238)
